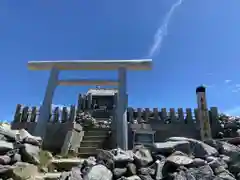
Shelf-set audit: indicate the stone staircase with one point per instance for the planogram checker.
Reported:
(94, 138)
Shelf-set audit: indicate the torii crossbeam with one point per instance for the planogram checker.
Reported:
(120, 65)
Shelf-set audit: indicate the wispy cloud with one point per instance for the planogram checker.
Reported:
(235, 88)
(227, 81)
(163, 30)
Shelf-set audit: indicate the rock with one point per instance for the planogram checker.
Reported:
(180, 176)
(135, 177)
(197, 162)
(28, 138)
(30, 154)
(122, 156)
(5, 170)
(48, 176)
(227, 149)
(5, 147)
(16, 158)
(147, 171)
(131, 169)
(64, 164)
(234, 164)
(170, 146)
(75, 174)
(226, 176)
(145, 177)
(142, 156)
(159, 169)
(119, 172)
(98, 172)
(23, 171)
(91, 161)
(198, 148)
(204, 173)
(179, 160)
(4, 160)
(7, 132)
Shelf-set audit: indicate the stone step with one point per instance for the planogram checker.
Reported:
(90, 150)
(86, 129)
(86, 155)
(96, 133)
(90, 143)
(94, 138)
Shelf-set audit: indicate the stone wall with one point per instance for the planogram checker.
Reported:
(165, 123)
(172, 122)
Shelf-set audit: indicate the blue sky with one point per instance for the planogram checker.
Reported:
(201, 47)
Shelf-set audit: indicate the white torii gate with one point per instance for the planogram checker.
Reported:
(120, 65)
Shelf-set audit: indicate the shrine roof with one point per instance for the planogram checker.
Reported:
(102, 92)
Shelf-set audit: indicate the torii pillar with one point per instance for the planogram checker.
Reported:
(120, 65)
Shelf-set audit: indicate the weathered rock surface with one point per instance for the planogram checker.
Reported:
(19, 154)
(178, 158)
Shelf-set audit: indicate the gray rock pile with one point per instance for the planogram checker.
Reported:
(19, 153)
(230, 126)
(178, 158)
(85, 119)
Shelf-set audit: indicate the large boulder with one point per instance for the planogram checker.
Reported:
(169, 147)
(98, 172)
(198, 148)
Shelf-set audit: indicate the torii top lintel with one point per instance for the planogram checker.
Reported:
(141, 64)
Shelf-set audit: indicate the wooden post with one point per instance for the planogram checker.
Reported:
(203, 113)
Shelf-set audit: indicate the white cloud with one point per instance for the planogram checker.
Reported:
(163, 29)
(235, 88)
(234, 111)
(227, 81)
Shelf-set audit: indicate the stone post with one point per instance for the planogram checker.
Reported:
(84, 102)
(173, 115)
(215, 125)
(17, 116)
(33, 114)
(203, 113)
(72, 114)
(114, 121)
(25, 114)
(64, 117)
(37, 114)
(121, 109)
(189, 117)
(89, 101)
(56, 115)
(139, 114)
(180, 115)
(45, 108)
(156, 114)
(164, 114)
(80, 103)
(130, 115)
(147, 114)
